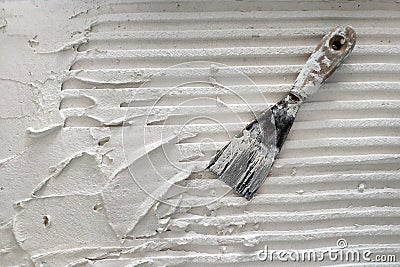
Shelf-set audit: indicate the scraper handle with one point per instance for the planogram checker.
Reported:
(327, 56)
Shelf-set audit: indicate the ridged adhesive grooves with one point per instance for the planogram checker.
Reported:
(344, 137)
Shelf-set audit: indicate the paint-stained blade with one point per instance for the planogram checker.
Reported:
(245, 162)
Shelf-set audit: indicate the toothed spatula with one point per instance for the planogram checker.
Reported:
(244, 163)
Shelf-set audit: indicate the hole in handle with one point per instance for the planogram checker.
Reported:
(337, 43)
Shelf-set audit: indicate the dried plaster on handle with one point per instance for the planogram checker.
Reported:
(326, 58)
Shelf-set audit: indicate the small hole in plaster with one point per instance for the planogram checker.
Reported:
(2, 188)
(103, 141)
(82, 47)
(75, 47)
(98, 207)
(46, 221)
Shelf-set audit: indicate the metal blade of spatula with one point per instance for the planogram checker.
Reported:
(245, 162)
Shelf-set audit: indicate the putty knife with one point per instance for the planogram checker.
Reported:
(246, 160)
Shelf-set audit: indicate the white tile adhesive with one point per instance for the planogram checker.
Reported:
(111, 110)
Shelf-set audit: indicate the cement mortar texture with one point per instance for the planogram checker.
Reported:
(110, 110)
